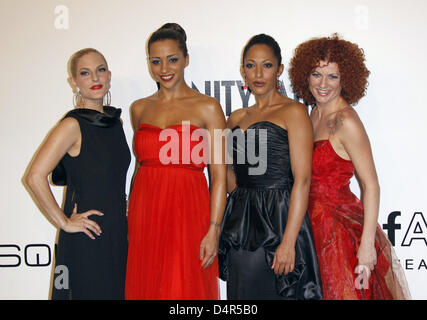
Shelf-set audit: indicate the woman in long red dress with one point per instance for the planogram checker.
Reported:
(356, 259)
(174, 217)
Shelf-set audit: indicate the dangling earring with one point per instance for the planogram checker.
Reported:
(245, 86)
(106, 101)
(78, 99)
(278, 84)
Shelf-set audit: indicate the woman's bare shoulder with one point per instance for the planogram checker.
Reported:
(236, 116)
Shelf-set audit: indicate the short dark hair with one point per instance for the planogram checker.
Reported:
(170, 31)
(268, 41)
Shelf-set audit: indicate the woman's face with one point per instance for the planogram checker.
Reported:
(167, 62)
(325, 82)
(261, 69)
(92, 77)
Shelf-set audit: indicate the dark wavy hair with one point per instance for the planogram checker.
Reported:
(263, 39)
(171, 31)
(349, 57)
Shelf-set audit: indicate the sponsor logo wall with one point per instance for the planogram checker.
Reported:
(39, 37)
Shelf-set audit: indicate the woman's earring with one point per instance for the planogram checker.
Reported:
(107, 99)
(78, 101)
(278, 84)
(245, 86)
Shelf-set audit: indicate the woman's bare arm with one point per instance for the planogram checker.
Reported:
(61, 140)
(300, 135)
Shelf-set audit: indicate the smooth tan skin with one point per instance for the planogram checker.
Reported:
(66, 138)
(334, 119)
(174, 103)
(261, 65)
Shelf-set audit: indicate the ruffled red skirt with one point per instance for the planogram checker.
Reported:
(337, 222)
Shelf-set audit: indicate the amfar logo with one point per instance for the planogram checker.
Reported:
(417, 229)
(227, 86)
(416, 233)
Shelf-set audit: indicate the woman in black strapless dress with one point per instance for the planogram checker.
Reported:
(266, 248)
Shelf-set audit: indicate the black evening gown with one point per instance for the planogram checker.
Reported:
(255, 219)
(95, 179)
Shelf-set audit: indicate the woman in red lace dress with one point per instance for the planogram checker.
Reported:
(174, 217)
(356, 259)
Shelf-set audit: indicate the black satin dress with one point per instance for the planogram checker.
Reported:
(95, 179)
(255, 219)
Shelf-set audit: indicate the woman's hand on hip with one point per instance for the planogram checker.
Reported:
(80, 222)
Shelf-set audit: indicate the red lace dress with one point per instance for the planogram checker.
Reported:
(336, 216)
(169, 214)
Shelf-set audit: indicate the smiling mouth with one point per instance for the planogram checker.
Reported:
(323, 92)
(167, 77)
(96, 87)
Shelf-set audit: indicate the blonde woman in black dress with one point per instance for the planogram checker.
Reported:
(89, 145)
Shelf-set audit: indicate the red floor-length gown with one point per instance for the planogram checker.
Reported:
(336, 216)
(169, 214)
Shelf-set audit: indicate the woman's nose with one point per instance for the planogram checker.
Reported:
(95, 76)
(258, 71)
(323, 82)
(164, 67)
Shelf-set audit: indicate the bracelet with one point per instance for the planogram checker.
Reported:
(216, 224)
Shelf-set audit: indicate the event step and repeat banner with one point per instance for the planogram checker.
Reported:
(38, 37)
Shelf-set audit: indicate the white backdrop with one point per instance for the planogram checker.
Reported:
(38, 38)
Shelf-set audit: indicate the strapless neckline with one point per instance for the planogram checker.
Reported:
(256, 123)
(169, 126)
(332, 148)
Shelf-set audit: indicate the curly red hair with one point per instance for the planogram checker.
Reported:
(351, 64)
